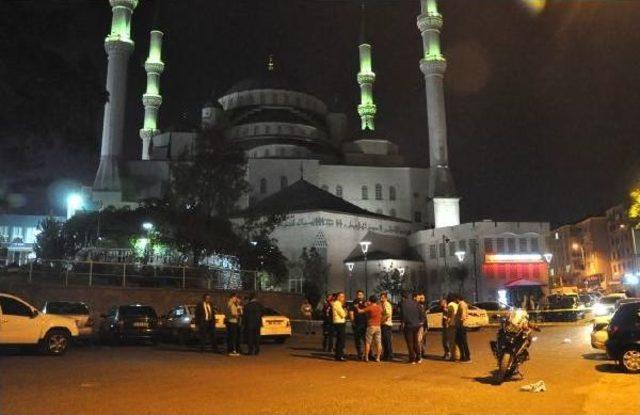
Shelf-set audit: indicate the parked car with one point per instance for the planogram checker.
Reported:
(179, 324)
(603, 308)
(623, 344)
(21, 324)
(476, 319)
(129, 322)
(564, 307)
(495, 309)
(275, 326)
(79, 312)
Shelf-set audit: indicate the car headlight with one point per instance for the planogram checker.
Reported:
(600, 309)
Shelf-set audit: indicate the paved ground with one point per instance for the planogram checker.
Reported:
(298, 378)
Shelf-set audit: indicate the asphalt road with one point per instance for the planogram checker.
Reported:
(298, 378)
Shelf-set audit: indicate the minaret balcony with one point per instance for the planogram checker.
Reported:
(365, 110)
(154, 66)
(429, 21)
(129, 4)
(151, 100)
(366, 78)
(433, 65)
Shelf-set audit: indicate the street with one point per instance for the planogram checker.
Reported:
(298, 378)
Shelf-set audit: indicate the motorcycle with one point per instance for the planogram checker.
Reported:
(511, 348)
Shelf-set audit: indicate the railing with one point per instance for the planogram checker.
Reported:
(109, 274)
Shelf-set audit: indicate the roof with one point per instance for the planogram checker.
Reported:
(523, 282)
(303, 196)
(384, 247)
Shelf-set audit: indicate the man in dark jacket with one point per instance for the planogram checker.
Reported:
(205, 319)
(252, 318)
(412, 319)
(359, 323)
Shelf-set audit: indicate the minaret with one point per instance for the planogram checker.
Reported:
(118, 46)
(367, 108)
(446, 209)
(152, 98)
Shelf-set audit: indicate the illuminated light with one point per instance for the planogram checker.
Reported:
(75, 202)
(548, 257)
(600, 309)
(460, 255)
(147, 226)
(534, 6)
(631, 279)
(507, 258)
(401, 270)
(502, 296)
(575, 246)
(364, 246)
(350, 266)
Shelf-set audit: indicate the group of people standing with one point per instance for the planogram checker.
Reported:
(242, 318)
(372, 325)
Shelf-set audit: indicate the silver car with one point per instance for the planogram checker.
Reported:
(179, 323)
(80, 312)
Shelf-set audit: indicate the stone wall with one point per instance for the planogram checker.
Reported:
(100, 299)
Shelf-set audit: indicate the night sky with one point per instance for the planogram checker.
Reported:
(543, 109)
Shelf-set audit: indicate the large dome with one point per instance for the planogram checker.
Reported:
(266, 80)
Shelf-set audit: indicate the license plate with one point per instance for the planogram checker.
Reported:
(140, 324)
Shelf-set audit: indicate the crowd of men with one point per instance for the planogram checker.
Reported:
(242, 318)
(372, 323)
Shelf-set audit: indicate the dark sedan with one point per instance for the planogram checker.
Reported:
(129, 323)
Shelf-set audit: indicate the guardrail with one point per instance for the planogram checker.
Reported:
(93, 273)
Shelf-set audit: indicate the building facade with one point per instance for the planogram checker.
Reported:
(623, 245)
(18, 235)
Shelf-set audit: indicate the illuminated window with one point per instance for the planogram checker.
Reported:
(263, 185)
(339, 191)
(534, 245)
(511, 245)
(378, 192)
(488, 246)
(392, 193)
(283, 182)
(500, 245)
(365, 193)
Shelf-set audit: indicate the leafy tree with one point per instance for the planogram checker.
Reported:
(315, 272)
(392, 282)
(634, 209)
(264, 255)
(460, 275)
(50, 242)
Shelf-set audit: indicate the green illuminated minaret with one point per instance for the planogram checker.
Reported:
(367, 108)
(118, 45)
(446, 210)
(152, 98)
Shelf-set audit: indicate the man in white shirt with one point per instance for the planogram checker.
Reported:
(339, 325)
(387, 327)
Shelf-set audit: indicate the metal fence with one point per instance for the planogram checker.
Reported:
(91, 273)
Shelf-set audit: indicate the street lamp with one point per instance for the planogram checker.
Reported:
(75, 202)
(460, 255)
(147, 226)
(548, 257)
(364, 246)
(350, 266)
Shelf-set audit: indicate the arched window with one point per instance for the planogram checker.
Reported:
(365, 193)
(378, 191)
(263, 185)
(392, 193)
(339, 191)
(392, 213)
(283, 182)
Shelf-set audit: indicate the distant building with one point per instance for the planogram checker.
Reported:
(18, 236)
(623, 245)
(497, 253)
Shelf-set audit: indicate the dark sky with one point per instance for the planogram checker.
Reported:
(543, 109)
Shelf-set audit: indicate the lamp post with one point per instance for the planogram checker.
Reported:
(547, 258)
(350, 266)
(364, 246)
(460, 255)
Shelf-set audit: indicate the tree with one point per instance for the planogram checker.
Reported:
(634, 209)
(194, 216)
(460, 275)
(50, 242)
(315, 272)
(263, 254)
(392, 282)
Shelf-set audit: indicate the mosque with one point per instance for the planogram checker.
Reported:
(301, 155)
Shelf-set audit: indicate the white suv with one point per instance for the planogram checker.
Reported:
(22, 324)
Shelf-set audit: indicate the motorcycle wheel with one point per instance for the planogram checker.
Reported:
(503, 367)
